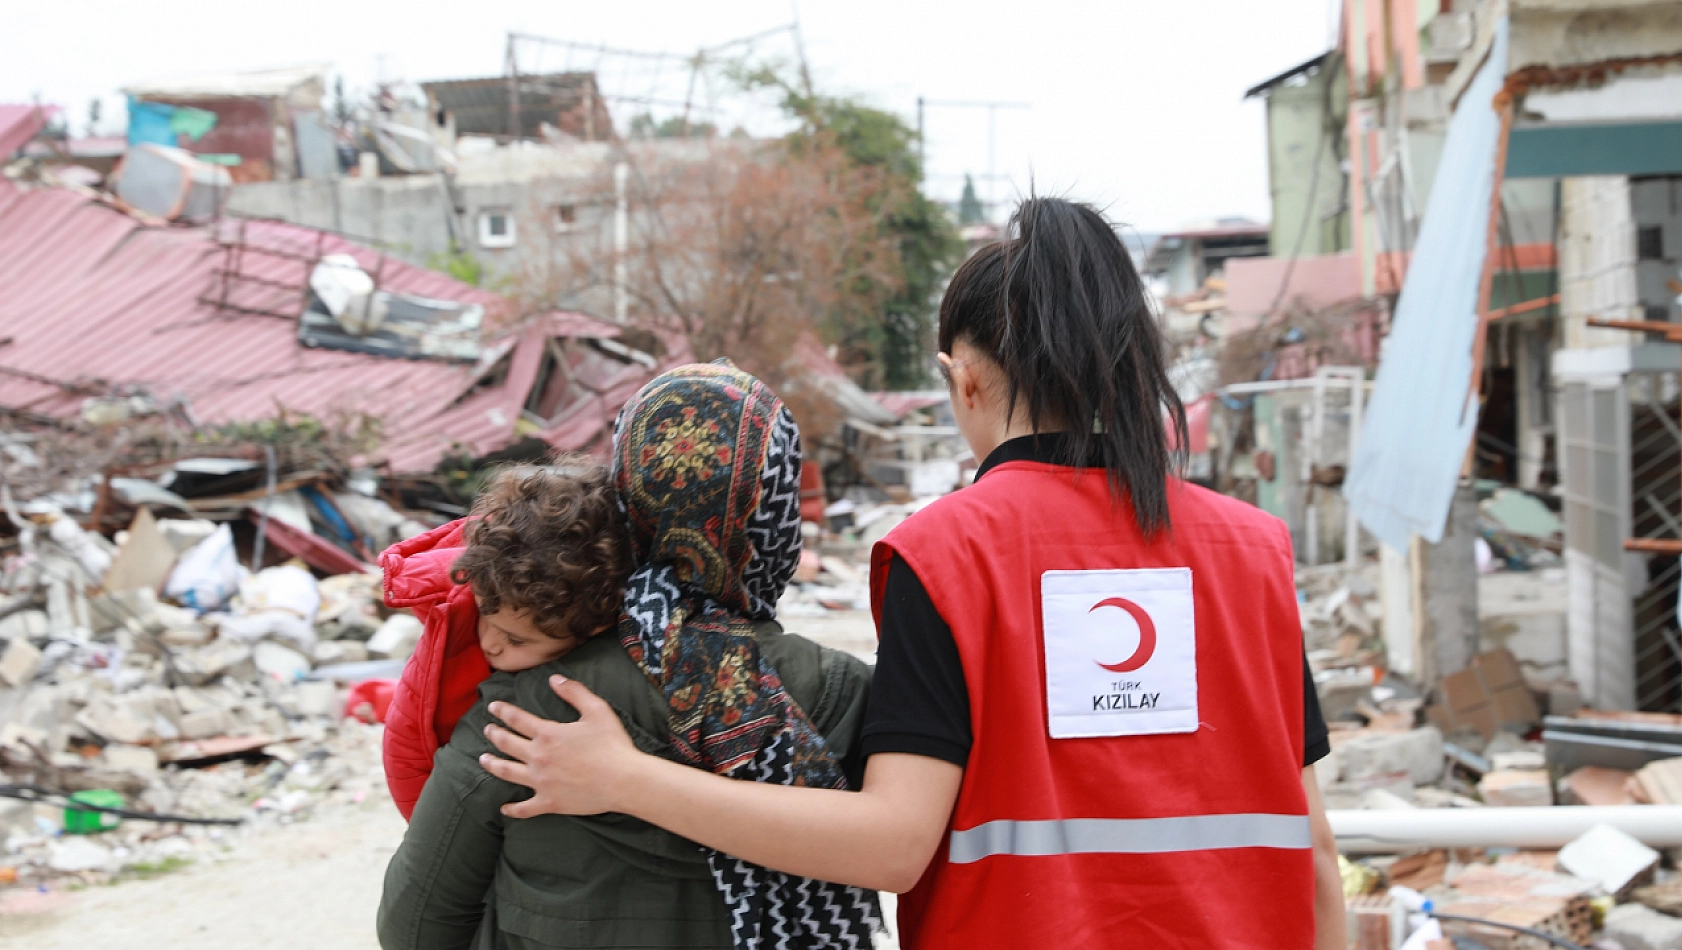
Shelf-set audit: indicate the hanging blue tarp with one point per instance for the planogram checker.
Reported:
(1424, 408)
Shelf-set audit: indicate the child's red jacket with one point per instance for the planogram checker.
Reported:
(441, 680)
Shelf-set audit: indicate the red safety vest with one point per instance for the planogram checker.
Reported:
(1135, 777)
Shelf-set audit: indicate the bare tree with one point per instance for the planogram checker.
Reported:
(742, 248)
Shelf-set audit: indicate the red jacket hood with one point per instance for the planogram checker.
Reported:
(441, 680)
(417, 571)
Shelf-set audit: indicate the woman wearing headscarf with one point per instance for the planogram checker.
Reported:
(707, 463)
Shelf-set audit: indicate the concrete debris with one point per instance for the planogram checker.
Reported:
(396, 638)
(1416, 754)
(1611, 858)
(1516, 788)
(19, 662)
(1665, 898)
(157, 671)
(1635, 927)
(1659, 783)
(1593, 785)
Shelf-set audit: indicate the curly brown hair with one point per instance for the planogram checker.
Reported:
(549, 542)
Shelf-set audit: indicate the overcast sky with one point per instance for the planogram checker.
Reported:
(1134, 105)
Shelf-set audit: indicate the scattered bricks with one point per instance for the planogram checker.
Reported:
(1594, 785)
(1418, 753)
(136, 759)
(1419, 871)
(1636, 927)
(1570, 918)
(1372, 922)
(1610, 857)
(19, 662)
(1516, 788)
(1535, 860)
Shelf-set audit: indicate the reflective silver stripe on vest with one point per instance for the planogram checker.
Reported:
(1129, 835)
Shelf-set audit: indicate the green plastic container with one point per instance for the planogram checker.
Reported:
(79, 821)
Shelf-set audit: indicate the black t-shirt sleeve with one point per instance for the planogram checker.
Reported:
(1317, 743)
(919, 702)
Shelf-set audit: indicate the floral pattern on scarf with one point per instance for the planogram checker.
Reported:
(707, 463)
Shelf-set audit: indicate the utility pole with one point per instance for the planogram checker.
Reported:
(621, 241)
(992, 106)
(922, 150)
(800, 50)
(513, 90)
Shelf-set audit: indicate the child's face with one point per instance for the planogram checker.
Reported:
(512, 644)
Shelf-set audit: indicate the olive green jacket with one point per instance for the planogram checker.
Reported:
(465, 876)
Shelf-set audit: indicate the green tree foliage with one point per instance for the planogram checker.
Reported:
(461, 265)
(643, 126)
(969, 206)
(894, 343)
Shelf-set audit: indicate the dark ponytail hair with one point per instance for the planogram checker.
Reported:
(1062, 310)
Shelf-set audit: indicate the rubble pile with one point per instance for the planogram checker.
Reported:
(213, 665)
(1484, 743)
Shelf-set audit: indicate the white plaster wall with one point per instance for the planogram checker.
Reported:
(1596, 260)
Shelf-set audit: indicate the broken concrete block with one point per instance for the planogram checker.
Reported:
(24, 623)
(75, 853)
(396, 638)
(317, 698)
(329, 652)
(116, 720)
(1665, 898)
(137, 759)
(1564, 699)
(1418, 753)
(1635, 927)
(208, 662)
(183, 535)
(1518, 760)
(19, 662)
(203, 724)
(144, 560)
(186, 635)
(1610, 857)
(280, 661)
(1516, 788)
(19, 737)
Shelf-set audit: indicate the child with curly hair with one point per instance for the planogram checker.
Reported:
(535, 569)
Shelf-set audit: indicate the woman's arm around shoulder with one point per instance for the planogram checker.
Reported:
(881, 837)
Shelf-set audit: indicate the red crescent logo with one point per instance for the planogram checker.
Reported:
(1147, 635)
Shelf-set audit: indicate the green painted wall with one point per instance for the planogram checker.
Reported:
(1298, 128)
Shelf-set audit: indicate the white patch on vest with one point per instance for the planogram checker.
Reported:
(1103, 675)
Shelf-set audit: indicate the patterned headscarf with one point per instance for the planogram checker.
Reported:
(707, 462)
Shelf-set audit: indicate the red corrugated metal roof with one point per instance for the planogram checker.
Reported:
(18, 124)
(89, 294)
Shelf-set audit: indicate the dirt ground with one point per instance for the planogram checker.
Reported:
(312, 884)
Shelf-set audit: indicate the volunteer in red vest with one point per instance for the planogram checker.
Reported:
(1092, 722)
